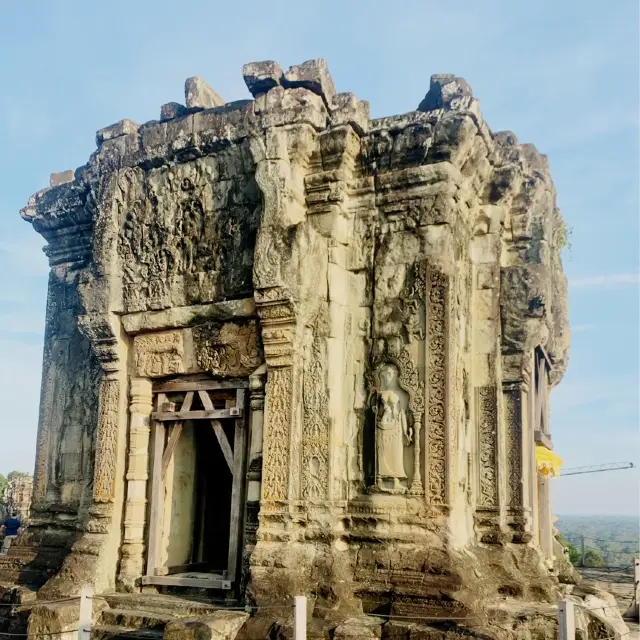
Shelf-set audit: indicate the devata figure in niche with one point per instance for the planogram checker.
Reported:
(392, 431)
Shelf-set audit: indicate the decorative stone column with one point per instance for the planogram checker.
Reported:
(140, 408)
(514, 395)
(278, 328)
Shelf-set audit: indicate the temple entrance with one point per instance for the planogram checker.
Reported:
(197, 483)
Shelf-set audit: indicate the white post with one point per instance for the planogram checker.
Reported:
(566, 620)
(86, 612)
(300, 618)
(633, 612)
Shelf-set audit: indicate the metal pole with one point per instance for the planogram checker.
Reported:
(86, 612)
(566, 620)
(300, 618)
(582, 551)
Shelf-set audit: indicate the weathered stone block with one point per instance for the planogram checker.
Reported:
(221, 625)
(62, 177)
(172, 110)
(313, 75)
(362, 628)
(198, 94)
(260, 77)
(121, 128)
(444, 88)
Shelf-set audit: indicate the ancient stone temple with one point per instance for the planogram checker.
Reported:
(291, 350)
(17, 498)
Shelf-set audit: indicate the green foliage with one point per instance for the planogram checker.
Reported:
(16, 474)
(4, 483)
(593, 558)
(611, 540)
(574, 554)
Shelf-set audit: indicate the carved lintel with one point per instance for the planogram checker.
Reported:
(159, 354)
(229, 349)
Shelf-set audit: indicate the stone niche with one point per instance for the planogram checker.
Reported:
(378, 289)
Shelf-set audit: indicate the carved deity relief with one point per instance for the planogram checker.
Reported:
(397, 400)
(392, 431)
(159, 354)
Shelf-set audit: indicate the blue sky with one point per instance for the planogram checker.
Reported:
(563, 75)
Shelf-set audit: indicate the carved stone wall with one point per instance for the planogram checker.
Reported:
(380, 282)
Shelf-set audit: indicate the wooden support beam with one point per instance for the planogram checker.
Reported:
(237, 470)
(200, 385)
(212, 414)
(157, 493)
(217, 428)
(224, 443)
(183, 568)
(214, 582)
(174, 436)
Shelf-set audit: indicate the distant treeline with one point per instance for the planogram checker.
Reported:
(609, 541)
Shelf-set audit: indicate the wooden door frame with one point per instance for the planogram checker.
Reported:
(236, 459)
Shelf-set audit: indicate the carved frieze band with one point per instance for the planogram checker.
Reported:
(315, 428)
(513, 415)
(275, 470)
(437, 386)
(107, 442)
(487, 412)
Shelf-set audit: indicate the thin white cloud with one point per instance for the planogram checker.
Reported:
(604, 281)
(579, 328)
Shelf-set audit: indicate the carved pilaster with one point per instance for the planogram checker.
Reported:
(515, 425)
(140, 408)
(278, 328)
(437, 453)
(487, 417)
(104, 478)
(315, 428)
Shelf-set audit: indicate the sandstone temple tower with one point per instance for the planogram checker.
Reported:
(293, 350)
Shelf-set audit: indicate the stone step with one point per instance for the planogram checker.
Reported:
(135, 619)
(106, 632)
(157, 603)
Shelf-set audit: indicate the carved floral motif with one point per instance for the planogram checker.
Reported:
(513, 410)
(315, 428)
(487, 410)
(437, 373)
(104, 483)
(275, 472)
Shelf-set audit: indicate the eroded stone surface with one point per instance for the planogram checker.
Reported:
(198, 94)
(391, 294)
(260, 77)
